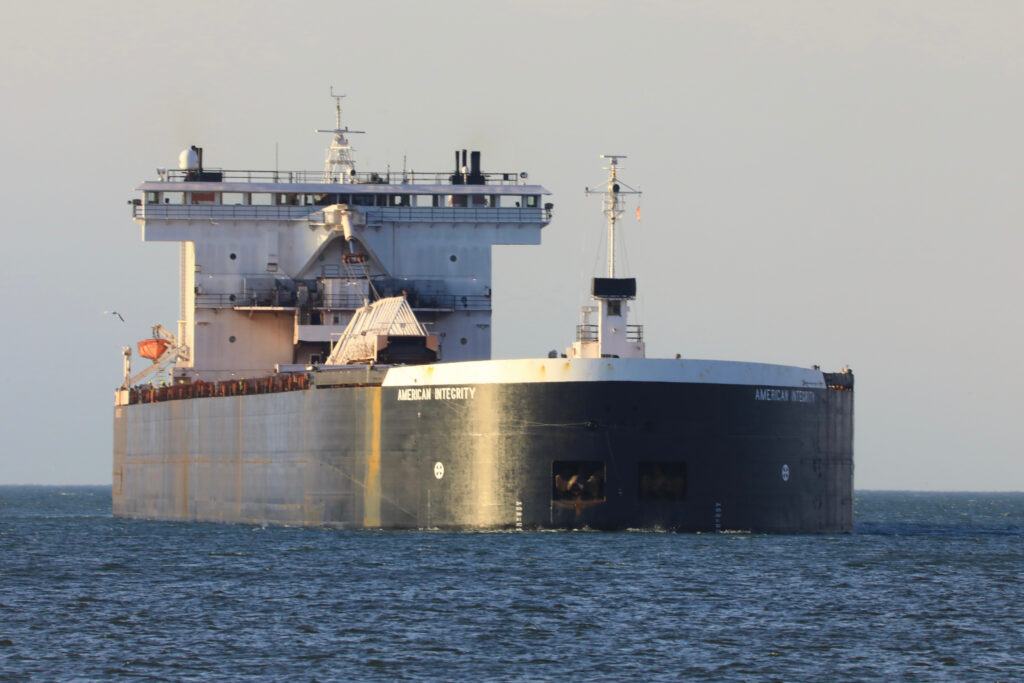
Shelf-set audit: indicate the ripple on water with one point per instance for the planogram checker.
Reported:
(928, 587)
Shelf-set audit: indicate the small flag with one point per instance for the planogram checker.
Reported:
(638, 213)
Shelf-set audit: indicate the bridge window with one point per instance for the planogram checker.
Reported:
(232, 198)
(325, 199)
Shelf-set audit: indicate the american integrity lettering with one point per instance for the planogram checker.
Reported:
(448, 393)
(415, 394)
(794, 395)
(436, 393)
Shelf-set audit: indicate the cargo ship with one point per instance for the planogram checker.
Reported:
(331, 366)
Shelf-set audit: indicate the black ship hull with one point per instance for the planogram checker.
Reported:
(673, 455)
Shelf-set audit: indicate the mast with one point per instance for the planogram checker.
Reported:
(612, 336)
(613, 203)
(339, 166)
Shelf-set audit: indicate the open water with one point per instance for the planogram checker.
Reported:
(930, 587)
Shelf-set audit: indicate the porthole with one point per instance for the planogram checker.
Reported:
(231, 297)
(463, 341)
(233, 256)
(453, 258)
(231, 339)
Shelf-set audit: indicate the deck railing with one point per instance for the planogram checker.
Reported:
(589, 333)
(214, 212)
(360, 178)
(340, 302)
(427, 214)
(374, 215)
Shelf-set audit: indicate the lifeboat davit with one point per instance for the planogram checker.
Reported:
(153, 348)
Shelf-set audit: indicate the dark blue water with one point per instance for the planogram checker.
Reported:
(930, 587)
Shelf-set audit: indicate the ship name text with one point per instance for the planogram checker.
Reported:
(788, 395)
(436, 393)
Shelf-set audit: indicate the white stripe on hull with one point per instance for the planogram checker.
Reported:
(531, 370)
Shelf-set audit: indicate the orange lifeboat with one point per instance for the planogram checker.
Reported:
(153, 348)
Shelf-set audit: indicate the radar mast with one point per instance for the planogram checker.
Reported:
(339, 166)
(612, 336)
(613, 203)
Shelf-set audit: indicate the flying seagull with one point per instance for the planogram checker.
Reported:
(115, 313)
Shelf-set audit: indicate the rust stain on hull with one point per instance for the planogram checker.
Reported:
(372, 490)
(239, 450)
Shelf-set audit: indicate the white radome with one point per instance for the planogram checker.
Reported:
(188, 160)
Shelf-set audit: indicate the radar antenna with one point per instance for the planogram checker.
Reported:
(339, 166)
(613, 203)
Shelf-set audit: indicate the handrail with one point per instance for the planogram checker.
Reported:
(317, 177)
(222, 211)
(589, 333)
(472, 214)
(374, 215)
(266, 298)
(271, 384)
(340, 302)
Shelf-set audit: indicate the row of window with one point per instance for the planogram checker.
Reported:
(584, 481)
(296, 199)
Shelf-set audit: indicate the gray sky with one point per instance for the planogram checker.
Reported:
(824, 183)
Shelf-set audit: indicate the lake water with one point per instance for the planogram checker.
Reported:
(929, 587)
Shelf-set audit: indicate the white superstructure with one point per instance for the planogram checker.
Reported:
(275, 263)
